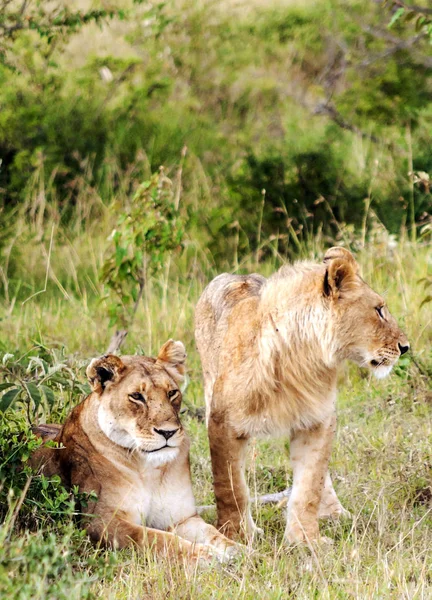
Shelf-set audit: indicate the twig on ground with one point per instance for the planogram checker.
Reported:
(277, 498)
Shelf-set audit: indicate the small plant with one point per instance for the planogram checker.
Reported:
(32, 383)
(148, 228)
(403, 13)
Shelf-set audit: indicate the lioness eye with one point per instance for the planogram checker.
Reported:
(379, 310)
(172, 393)
(137, 396)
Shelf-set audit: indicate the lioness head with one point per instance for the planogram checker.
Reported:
(366, 331)
(140, 400)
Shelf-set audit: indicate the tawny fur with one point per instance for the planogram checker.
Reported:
(114, 444)
(270, 350)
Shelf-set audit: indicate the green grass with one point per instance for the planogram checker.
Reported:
(381, 462)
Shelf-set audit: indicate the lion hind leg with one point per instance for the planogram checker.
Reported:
(228, 455)
(209, 382)
(45, 460)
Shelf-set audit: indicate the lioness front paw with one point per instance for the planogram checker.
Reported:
(228, 554)
(201, 554)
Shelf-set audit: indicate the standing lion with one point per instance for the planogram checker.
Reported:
(270, 350)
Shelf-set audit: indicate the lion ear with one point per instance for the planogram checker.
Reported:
(341, 272)
(104, 369)
(172, 357)
(337, 252)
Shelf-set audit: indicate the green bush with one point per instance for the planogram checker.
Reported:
(300, 101)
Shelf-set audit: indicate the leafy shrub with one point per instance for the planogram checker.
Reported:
(39, 383)
(147, 230)
(245, 98)
(40, 544)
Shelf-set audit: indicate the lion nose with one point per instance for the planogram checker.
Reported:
(403, 349)
(166, 433)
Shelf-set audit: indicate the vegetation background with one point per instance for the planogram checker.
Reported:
(145, 147)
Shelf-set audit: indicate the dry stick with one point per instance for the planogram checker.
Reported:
(18, 505)
(277, 498)
(47, 270)
(177, 196)
(263, 194)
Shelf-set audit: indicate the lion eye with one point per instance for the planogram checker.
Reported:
(137, 396)
(172, 394)
(379, 310)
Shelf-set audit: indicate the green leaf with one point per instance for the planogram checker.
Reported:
(396, 16)
(426, 300)
(119, 255)
(85, 388)
(420, 22)
(34, 393)
(5, 386)
(8, 398)
(49, 395)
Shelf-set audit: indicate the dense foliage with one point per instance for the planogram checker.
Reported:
(323, 106)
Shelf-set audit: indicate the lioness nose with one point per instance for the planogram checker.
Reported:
(167, 433)
(403, 349)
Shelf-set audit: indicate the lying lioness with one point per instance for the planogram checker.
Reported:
(270, 349)
(125, 442)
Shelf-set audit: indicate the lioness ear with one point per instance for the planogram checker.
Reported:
(104, 369)
(337, 252)
(341, 272)
(172, 356)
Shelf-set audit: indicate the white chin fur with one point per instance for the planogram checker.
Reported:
(383, 371)
(166, 455)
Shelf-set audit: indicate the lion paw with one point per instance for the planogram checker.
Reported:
(296, 533)
(335, 512)
(305, 540)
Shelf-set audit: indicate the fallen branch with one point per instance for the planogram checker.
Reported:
(116, 341)
(278, 498)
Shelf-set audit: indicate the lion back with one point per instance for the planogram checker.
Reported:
(226, 290)
(213, 309)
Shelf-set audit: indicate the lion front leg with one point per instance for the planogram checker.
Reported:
(330, 506)
(228, 454)
(310, 454)
(196, 530)
(120, 533)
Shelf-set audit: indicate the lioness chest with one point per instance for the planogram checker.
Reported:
(155, 496)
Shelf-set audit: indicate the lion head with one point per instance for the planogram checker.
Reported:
(365, 330)
(139, 401)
